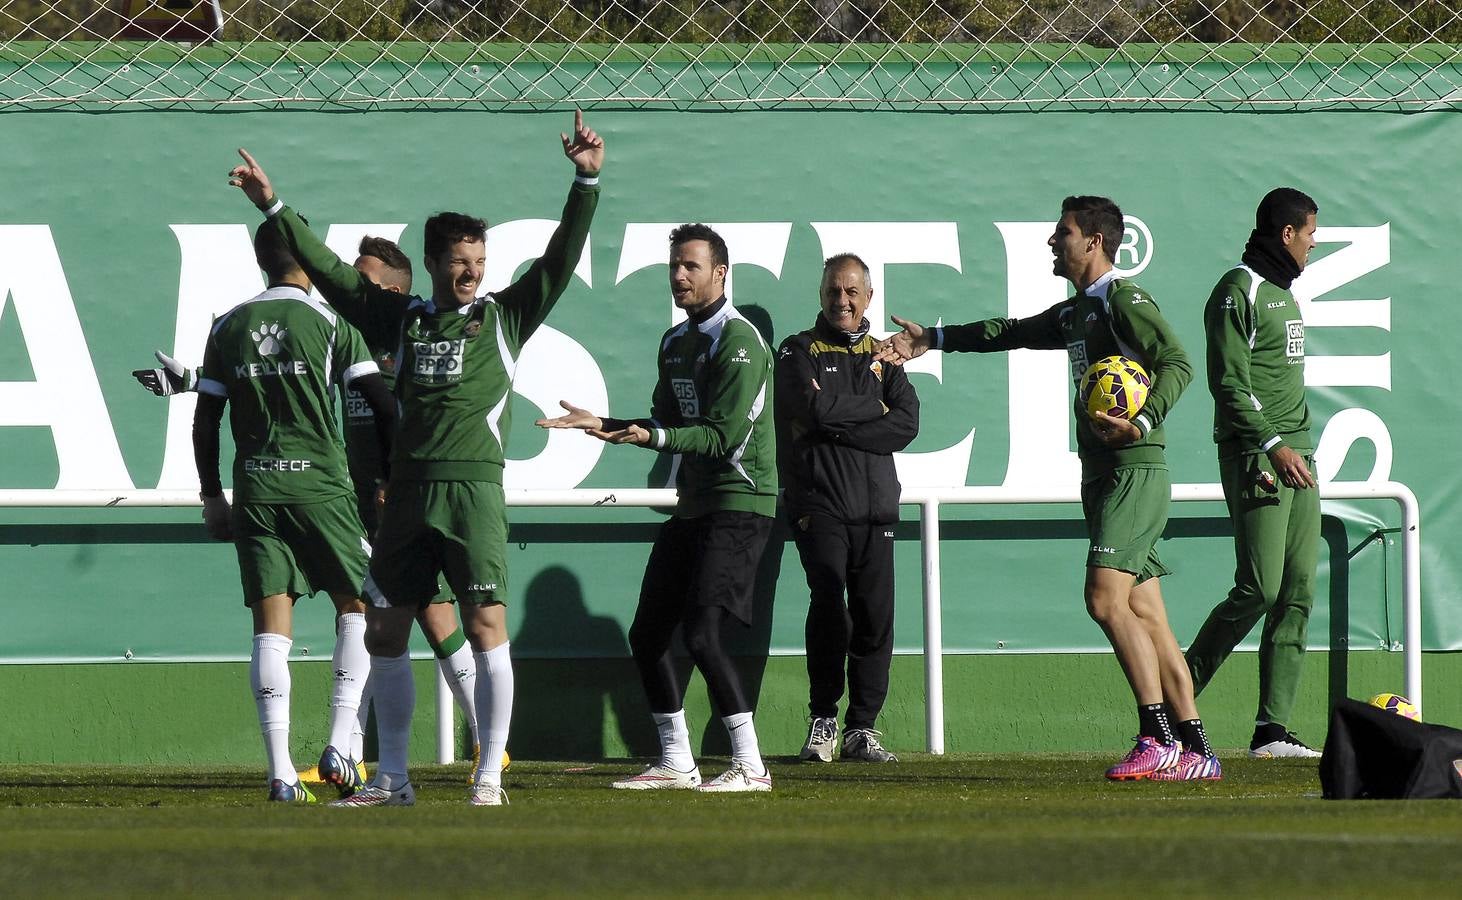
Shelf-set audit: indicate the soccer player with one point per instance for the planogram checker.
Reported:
(271, 360)
(445, 512)
(1261, 423)
(381, 261)
(709, 407)
(840, 418)
(1125, 489)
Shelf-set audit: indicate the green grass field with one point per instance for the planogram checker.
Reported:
(957, 825)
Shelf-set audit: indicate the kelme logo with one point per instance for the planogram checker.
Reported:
(269, 339)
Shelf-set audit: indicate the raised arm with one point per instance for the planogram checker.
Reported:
(527, 302)
(372, 309)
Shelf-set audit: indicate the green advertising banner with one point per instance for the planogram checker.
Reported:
(119, 235)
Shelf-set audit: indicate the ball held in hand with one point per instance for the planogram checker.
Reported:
(1116, 385)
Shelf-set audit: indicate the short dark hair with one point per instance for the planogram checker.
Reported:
(720, 256)
(1097, 215)
(1283, 206)
(272, 252)
(390, 255)
(447, 228)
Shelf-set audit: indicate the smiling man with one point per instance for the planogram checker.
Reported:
(1125, 487)
(840, 418)
(445, 511)
(1261, 423)
(709, 408)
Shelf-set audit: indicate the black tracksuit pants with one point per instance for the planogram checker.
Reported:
(850, 619)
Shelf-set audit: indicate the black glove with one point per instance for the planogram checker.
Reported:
(171, 379)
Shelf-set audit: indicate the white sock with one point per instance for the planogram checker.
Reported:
(362, 719)
(352, 666)
(675, 749)
(460, 670)
(269, 678)
(743, 742)
(494, 695)
(395, 698)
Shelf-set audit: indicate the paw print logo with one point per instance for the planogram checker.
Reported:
(269, 338)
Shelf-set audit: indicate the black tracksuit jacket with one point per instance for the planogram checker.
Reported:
(835, 442)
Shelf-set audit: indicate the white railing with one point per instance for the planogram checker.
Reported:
(927, 499)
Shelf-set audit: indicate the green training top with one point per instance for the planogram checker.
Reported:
(1111, 317)
(711, 407)
(1256, 365)
(274, 359)
(454, 365)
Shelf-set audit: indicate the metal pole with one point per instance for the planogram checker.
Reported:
(933, 629)
(1411, 590)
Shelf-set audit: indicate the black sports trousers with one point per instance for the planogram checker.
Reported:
(850, 618)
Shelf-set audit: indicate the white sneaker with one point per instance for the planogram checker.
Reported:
(488, 795)
(822, 738)
(374, 795)
(1288, 746)
(660, 777)
(738, 779)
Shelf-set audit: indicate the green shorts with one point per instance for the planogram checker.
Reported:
(455, 528)
(1126, 511)
(299, 548)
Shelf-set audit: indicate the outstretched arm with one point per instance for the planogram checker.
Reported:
(911, 343)
(1039, 332)
(610, 431)
(171, 378)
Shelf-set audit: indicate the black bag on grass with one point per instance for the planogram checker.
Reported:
(1372, 753)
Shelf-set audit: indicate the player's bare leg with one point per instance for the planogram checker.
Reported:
(1198, 761)
(486, 625)
(1109, 602)
(1177, 682)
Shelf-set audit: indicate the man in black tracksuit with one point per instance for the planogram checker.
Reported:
(840, 418)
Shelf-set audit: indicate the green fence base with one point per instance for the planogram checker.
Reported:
(201, 713)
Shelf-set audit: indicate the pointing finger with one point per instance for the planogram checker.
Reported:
(247, 158)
